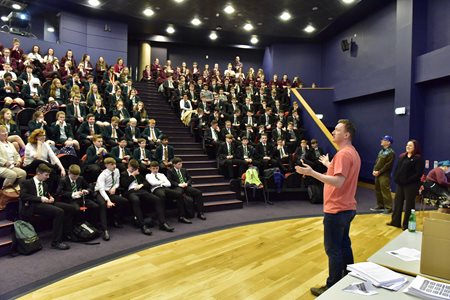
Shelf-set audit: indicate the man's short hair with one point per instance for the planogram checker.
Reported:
(140, 140)
(176, 160)
(164, 137)
(43, 168)
(349, 127)
(133, 163)
(154, 164)
(109, 160)
(314, 141)
(60, 113)
(214, 122)
(229, 136)
(97, 137)
(90, 116)
(74, 169)
(115, 119)
(151, 121)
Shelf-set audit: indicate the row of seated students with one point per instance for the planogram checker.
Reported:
(112, 193)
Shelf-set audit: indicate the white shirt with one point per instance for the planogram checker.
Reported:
(133, 184)
(36, 184)
(104, 182)
(47, 154)
(155, 183)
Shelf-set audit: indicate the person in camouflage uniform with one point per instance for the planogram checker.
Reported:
(382, 172)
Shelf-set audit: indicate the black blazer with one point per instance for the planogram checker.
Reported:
(222, 151)
(260, 150)
(137, 154)
(126, 180)
(129, 135)
(409, 170)
(146, 133)
(159, 153)
(64, 190)
(57, 134)
(92, 156)
(240, 152)
(175, 180)
(83, 130)
(107, 132)
(115, 152)
(28, 196)
(70, 110)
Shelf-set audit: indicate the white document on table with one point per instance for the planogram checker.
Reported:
(406, 254)
(428, 289)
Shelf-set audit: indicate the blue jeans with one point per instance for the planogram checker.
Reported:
(337, 244)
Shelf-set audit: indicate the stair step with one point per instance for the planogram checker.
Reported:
(189, 151)
(189, 145)
(5, 227)
(200, 164)
(192, 157)
(180, 139)
(223, 205)
(208, 178)
(219, 196)
(5, 245)
(203, 171)
(176, 134)
(212, 187)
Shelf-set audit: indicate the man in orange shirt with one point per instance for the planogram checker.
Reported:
(339, 203)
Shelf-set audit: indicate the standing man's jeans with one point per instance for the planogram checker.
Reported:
(337, 244)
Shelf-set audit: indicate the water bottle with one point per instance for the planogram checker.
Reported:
(412, 221)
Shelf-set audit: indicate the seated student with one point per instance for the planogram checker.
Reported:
(112, 132)
(146, 74)
(264, 152)
(87, 130)
(75, 111)
(74, 190)
(140, 113)
(33, 94)
(143, 156)
(101, 113)
(226, 155)
(38, 122)
(182, 182)
(92, 95)
(10, 160)
(282, 156)
(245, 152)
(132, 132)
(63, 133)
(108, 196)
(278, 132)
(212, 140)
(228, 129)
(249, 134)
(6, 118)
(236, 120)
(132, 99)
(37, 151)
(116, 97)
(291, 137)
(267, 119)
(121, 154)
(121, 113)
(295, 119)
(313, 155)
(160, 186)
(136, 190)
(35, 198)
(301, 152)
(152, 134)
(9, 92)
(57, 92)
(198, 124)
(164, 153)
(439, 175)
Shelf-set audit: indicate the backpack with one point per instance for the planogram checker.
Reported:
(294, 180)
(25, 238)
(189, 209)
(252, 176)
(85, 232)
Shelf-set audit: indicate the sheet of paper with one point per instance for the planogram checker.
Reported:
(406, 254)
(361, 288)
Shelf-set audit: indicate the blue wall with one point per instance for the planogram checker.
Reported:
(438, 27)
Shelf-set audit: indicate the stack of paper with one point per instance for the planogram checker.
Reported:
(428, 289)
(379, 276)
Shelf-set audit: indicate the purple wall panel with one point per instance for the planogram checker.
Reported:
(438, 27)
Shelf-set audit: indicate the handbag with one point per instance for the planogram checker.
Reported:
(9, 194)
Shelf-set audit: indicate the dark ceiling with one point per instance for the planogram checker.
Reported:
(326, 16)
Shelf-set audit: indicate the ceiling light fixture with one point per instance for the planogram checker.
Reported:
(51, 29)
(94, 3)
(285, 16)
(213, 36)
(248, 27)
(348, 1)
(179, 1)
(254, 40)
(309, 28)
(148, 12)
(170, 29)
(5, 19)
(229, 9)
(196, 21)
(16, 6)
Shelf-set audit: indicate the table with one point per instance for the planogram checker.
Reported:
(336, 292)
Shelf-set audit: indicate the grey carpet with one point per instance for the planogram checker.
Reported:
(22, 274)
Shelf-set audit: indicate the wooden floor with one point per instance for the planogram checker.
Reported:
(275, 260)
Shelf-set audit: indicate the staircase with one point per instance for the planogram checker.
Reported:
(6, 228)
(205, 175)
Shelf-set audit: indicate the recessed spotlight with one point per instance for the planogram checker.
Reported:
(315, 8)
(51, 29)
(5, 19)
(170, 29)
(248, 27)
(148, 12)
(285, 16)
(348, 1)
(254, 40)
(94, 3)
(213, 36)
(309, 28)
(229, 9)
(260, 24)
(179, 1)
(16, 6)
(330, 18)
(196, 21)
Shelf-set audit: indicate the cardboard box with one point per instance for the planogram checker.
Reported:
(435, 256)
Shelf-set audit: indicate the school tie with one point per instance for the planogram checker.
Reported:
(77, 114)
(180, 176)
(245, 152)
(229, 149)
(142, 154)
(74, 187)
(40, 189)
(121, 152)
(152, 134)
(114, 133)
(91, 129)
(112, 179)
(166, 154)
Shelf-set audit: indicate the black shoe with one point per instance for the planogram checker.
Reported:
(60, 246)
(117, 224)
(269, 202)
(201, 216)
(377, 209)
(318, 291)
(105, 235)
(146, 230)
(184, 220)
(166, 227)
(391, 224)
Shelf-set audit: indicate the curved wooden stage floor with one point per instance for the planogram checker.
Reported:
(273, 260)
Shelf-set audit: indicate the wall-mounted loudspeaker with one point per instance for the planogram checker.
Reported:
(345, 46)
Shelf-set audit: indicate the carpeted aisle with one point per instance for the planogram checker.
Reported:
(22, 274)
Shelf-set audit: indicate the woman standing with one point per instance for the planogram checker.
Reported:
(407, 176)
